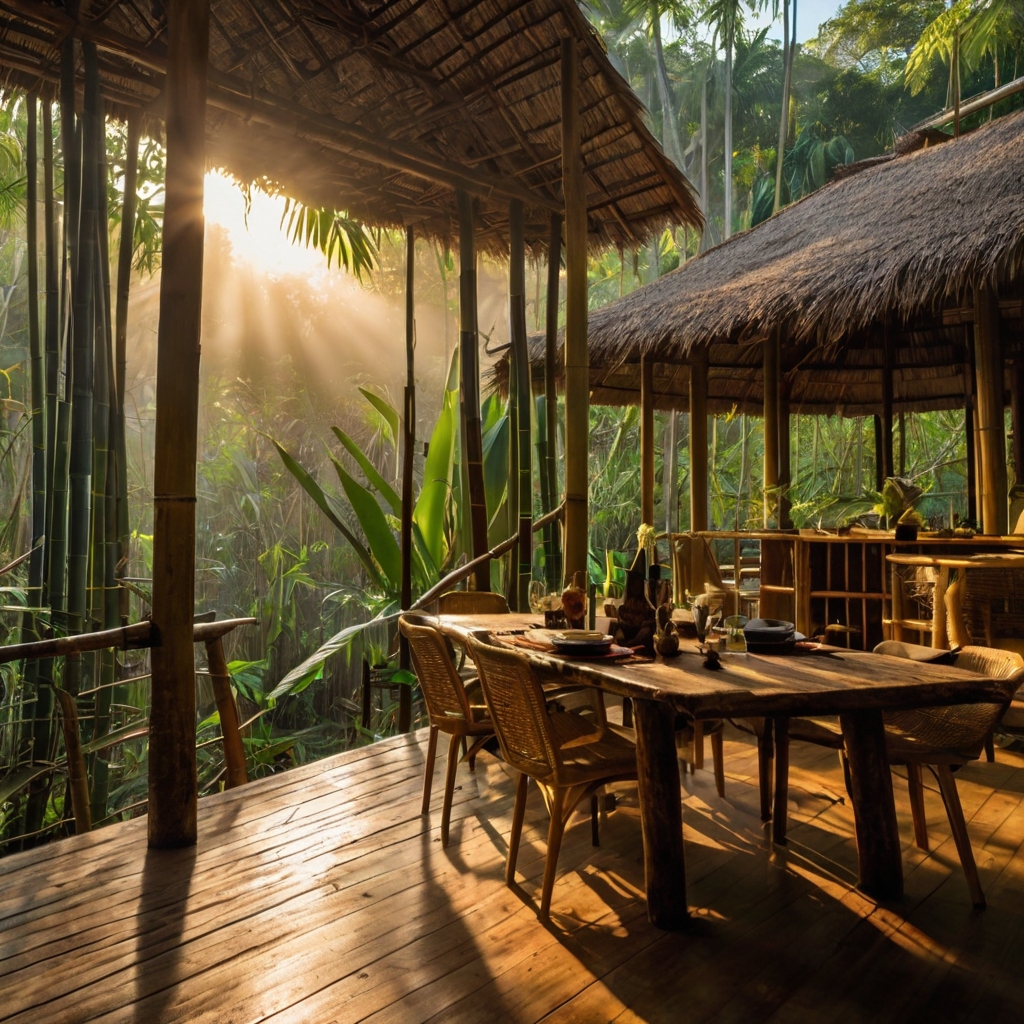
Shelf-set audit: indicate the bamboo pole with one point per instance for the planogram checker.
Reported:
(124, 274)
(553, 539)
(521, 358)
(888, 464)
(785, 454)
(991, 440)
(469, 380)
(408, 454)
(771, 429)
(699, 440)
(577, 356)
(646, 440)
(231, 737)
(1017, 421)
(172, 754)
(670, 486)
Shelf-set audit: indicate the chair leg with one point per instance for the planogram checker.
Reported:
(718, 757)
(780, 811)
(764, 769)
(917, 806)
(595, 824)
(951, 798)
(990, 749)
(449, 786)
(518, 812)
(698, 744)
(428, 771)
(555, 830)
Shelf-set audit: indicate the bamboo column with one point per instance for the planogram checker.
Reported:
(1017, 421)
(553, 538)
(991, 440)
(699, 440)
(521, 358)
(172, 723)
(646, 440)
(408, 465)
(771, 429)
(577, 357)
(469, 383)
(888, 465)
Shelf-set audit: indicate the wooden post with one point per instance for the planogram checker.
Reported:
(408, 465)
(991, 440)
(887, 393)
(553, 540)
(771, 429)
(1017, 421)
(521, 357)
(577, 357)
(231, 738)
(785, 471)
(646, 440)
(699, 441)
(469, 381)
(172, 723)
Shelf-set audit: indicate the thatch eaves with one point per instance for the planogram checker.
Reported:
(383, 107)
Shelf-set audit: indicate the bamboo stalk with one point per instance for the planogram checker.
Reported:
(469, 380)
(408, 465)
(231, 736)
(172, 756)
(888, 463)
(577, 356)
(699, 440)
(785, 454)
(646, 440)
(521, 359)
(552, 540)
(771, 429)
(124, 273)
(670, 485)
(991, 430)
(78, 779)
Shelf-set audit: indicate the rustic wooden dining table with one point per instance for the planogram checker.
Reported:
(854, 685)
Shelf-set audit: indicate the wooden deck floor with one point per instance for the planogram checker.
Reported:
(321, 896)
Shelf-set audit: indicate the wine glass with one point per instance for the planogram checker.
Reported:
(538, 591)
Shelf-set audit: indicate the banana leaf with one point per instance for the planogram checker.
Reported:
(374, 478)
(496, 441)
(429, 514)
(314, 490)
(383, 545)
(386, 410)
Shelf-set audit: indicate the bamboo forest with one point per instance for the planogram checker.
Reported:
(302, 414)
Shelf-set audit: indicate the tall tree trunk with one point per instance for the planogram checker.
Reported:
(727, 179)
(705, 238)
(669, 128)
(788, 50)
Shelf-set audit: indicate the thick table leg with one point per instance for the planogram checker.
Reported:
(661, 813)
(879, 861)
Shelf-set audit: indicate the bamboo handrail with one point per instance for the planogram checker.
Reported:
(463, 571)
(134, 637)
(979, 102)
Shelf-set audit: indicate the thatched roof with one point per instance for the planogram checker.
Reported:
(891, 254)
(383, 107)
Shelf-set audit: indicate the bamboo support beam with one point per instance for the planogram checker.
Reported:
(521, 357)
(172, 754)
(234, 749)
(991, 429)
(699, 441)
(553, 545)
(408, 460)
(469, 388)
(577, 355)
(647, 441)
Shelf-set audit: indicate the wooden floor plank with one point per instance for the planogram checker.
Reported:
(322, 895)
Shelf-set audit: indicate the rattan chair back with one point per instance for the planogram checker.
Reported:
(471, 602)
(518, 711)
(442, 688)
(993, 604)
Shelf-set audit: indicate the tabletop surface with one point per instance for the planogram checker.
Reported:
(754, 685)
(981, 561)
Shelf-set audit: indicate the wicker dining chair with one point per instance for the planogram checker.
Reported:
(568, 756)
(471, 602)
(452, 707)
(942, 739)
